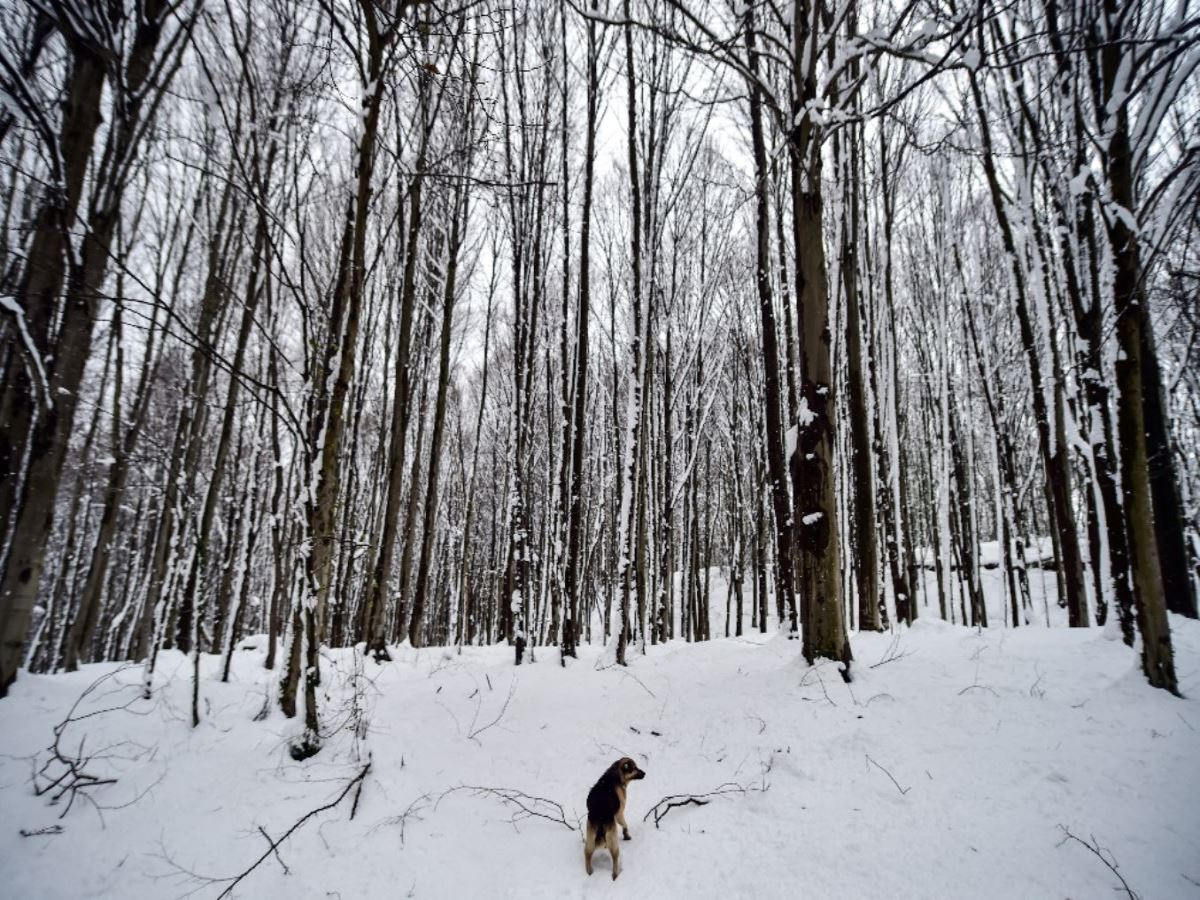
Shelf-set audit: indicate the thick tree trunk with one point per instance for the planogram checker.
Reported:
(25, 391)
(812, 470)
(1129, 300)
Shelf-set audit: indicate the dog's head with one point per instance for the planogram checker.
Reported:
(628, 770)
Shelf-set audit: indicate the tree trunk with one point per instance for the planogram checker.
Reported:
(1129, 301)
(813, 481)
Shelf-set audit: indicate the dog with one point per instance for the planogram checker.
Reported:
(606, 810)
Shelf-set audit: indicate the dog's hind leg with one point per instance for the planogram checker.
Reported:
(589, 847)
(614, 850)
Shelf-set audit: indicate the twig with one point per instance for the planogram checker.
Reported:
(527, 805)
(978, 687)
(49, 829)
(816, 670)
(1099, 853)
(73, 780)
(892, 653)
(475, 732)
(234, 881)
(627, 674)
(275, 847)
(1034, 690)
(683, 800)
(357, 794)
(412, 811)
(674, 801)
(902, 790)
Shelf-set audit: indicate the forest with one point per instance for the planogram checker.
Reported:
(364, 322)
(346, 334)
(369, 322)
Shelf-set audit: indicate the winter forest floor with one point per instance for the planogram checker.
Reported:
(952, 766)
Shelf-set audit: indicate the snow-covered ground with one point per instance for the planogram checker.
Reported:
(949, 769)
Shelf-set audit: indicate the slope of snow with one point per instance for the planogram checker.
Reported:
(948, 771)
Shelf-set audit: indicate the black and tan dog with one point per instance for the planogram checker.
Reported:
(606, 810)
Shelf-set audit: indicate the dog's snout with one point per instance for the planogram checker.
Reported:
(640, 774)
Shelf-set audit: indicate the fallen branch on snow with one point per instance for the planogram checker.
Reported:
(1099, 852)
(902, 790)
(893, 653)
(65, 773)
(49, 829)
(527, 805)
(235, 880)
(413, 811)
(475, 732)
(978, 687)
(674, 801)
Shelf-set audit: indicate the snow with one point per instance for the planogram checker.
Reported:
(1036, 552)
(804, 415)
(996, 740)
(1079, 184)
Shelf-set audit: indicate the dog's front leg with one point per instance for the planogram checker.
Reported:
(624, 827)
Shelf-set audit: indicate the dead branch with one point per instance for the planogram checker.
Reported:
(275, 847)
(475, 732)
(816, 671)
(1035, 689)
(65, 772)
(624, 672)
(235, 880)
(527, 806)
(1099, 853)
(892, 654)
(978, 687)
(902, 790)
(413, 811)
(674, 801)
(49, 829)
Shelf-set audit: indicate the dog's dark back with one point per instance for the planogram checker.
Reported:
(603, 802)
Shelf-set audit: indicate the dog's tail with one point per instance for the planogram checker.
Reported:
(601, 829)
